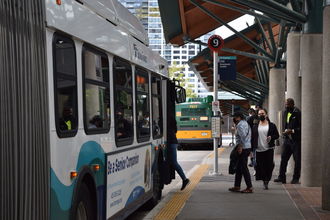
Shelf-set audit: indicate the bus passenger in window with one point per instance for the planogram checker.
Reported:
(96, 122)
(67, 121)
(124, 128)
(156, 127)
(143, 124)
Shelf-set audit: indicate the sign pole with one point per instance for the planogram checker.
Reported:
(215, 43)
(215, 113)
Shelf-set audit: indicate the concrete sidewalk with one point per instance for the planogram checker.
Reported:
(210, 199)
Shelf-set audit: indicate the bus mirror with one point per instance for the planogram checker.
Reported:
(180, 94)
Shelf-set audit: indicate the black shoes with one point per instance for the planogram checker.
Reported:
(185, 183)
(280, 180)
(283, 180)
(266, 185)
(294, 181)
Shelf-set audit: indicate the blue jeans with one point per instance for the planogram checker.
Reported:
(173, 160)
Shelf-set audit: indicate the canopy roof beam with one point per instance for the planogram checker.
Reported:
(267, 9)
(253, 88)
(183, 19)
(246, 95)
(271, 37)
(238, 52)
(263, 33)
(247, 40)
(247, 90)
(262, 78)
(266, 67)
(246, 54)
(284, 31)
(262, 71)
(261, 85)
(256, 67)
(301, 17)
(244, 11)
(295, 5)
(232, 90)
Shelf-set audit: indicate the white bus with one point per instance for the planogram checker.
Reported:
(108, 105)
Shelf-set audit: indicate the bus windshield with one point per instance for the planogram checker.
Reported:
(193, 111)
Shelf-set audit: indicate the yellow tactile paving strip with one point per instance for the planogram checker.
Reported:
(174, 206)
(220, 150)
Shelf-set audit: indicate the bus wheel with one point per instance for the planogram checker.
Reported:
(156, 192)
(83, 208)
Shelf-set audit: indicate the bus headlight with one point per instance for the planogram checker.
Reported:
(204, 118)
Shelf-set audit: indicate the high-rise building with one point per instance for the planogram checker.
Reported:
(139, 8)
(148, 13)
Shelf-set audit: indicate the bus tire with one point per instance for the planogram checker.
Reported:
(83, 208)
(156, 192)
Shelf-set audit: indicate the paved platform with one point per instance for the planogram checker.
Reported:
(208, 198)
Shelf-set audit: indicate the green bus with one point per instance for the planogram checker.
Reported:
(194, 122)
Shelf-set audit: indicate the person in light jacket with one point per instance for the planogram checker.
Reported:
(243, 141)
(264, 135)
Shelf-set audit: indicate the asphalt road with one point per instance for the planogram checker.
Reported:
(187, 159)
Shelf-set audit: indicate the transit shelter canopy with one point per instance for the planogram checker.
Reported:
(182, 20)
(248, 83)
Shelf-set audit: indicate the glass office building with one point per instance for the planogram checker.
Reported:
(148, 13)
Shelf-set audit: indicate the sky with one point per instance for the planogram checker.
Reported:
(238, 24)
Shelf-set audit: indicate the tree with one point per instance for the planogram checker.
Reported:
(176, 72)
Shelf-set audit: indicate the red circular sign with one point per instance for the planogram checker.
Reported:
(215, 43)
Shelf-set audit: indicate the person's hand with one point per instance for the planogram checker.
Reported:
(288, 131)
(239, 149)
(269, 138)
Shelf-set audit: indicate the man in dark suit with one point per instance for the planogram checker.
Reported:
(292, 141)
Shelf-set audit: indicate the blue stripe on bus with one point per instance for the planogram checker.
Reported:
(61, 199)
(135, 194)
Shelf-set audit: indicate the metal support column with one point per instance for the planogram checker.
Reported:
(215, 113)
(326, 109)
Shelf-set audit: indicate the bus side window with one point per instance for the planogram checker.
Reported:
(157, 115)
(142, 105)
(65, 86)
(123, 93)
(96, 91)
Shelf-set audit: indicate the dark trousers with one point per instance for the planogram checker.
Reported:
(291, 147)
(243, 170)
(265, 165)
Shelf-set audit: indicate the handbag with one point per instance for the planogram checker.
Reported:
(233, 161)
